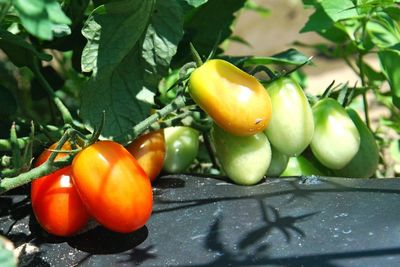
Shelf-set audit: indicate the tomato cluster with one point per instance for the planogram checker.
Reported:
(104, 182)
(257, 131)
(108, 182)
(252, 121)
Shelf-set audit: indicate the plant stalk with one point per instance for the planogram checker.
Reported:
(66, 115)
(141, 127)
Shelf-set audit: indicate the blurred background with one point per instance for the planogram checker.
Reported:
(271, 32)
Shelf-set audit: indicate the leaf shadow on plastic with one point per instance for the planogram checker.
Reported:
(231, 245)
(260, 256)
(276, 221)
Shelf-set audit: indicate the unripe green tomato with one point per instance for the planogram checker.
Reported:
(182, 145)
(278, 163)
(336, 139)
(300, 166)
(245, 159)
(292, 125)
(365, 162)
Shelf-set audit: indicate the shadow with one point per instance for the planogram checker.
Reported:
(166, 182)
(102, 241)
(301, 187)
(139, 255)
(283, 224)
(259, 256)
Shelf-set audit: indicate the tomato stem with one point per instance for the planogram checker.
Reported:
(141, 127)
(196, 56)
(9, 183)
(48, 167)
(66, 115)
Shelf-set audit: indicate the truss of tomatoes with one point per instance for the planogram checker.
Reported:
(104, 182)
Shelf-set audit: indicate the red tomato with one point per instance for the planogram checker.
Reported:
(55, 201)
(113, 186)
(149, 151)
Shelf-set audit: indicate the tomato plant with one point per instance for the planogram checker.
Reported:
(225, 92)
(182, 146)
(149, 151)
(113, 186)
(55, 201)
(336, 139)
(245, 159)
(292, 123)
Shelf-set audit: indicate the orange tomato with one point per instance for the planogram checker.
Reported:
(113, 186)
(149, 151)
(55, 201)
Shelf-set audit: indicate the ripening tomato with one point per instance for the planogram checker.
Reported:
(245, 159)
(55, 201)
(235, 100)
(112, 185)
(149, 151)
(292, 124)
(182, 146)
(336, 139)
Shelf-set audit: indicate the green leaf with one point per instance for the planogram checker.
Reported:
(40, 16)
(193, 3)
(393, 12)
(7, 258)
(290, 56)
(130, 45)
(20, 52)
(317, 21)
(339, 9)
(160, 44)
(240, 40)
(112, 31)
(383, 31)
(204, 26)
(389, 60)
(374, 77)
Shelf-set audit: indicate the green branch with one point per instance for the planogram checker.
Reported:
(48, 167)
(22, 142)
(66, 115)
(7, 183)
(141, 127)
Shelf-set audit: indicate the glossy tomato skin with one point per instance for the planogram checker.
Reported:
(365, 163)
(112, 185)
(149, 151)
(336, 139)
(182, 146)
(292, 125)
(245, 159)
(55, 201)
(235, 100)
(279, 162)
(301, 166)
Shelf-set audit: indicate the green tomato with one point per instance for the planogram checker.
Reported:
(301, 166)
(182, 146)
(292, 125)
(245, 159)
(336, 139)
(278, 163)
(365, 162)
